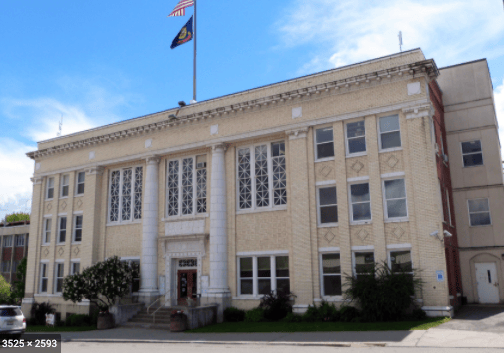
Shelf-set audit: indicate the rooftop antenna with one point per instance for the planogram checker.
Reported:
(60, 126)
(400, 41)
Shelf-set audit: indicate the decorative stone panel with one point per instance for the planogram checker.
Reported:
(397, 233)
(328, 237)
(262, 231)
(324, 171)
(391, 162)
(357, 167)
(185, 227)
(361, 234)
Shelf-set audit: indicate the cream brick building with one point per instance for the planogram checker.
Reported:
(287, 186)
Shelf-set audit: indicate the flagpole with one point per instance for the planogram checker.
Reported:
(194, 62)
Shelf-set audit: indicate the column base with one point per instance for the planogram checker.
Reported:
(219, 296)
(299, 308)
(147, 296)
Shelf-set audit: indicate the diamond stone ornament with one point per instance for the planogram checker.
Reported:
(398, 233)
(362, 234)
(329, 236)
(357, 166)
(392, 161)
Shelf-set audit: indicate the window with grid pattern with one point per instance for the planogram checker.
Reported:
(125, 198)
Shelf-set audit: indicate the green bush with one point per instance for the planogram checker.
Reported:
(5, 291)
(382, 295)
(254, 315)
(75, 320)
(276, 306)
(291, 317)
(233, 314)
(348, 313)
(311, 314)
(418, 314)
(39, 310)
(327, 312)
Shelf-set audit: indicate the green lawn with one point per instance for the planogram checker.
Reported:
(41, 328)
(321, 326)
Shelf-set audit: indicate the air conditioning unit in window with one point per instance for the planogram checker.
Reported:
(201, 165)
(445, 158)
(436, 148)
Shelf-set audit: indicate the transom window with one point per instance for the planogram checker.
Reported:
(479, 212)
(472, 154)
(331, 275)
(363, 262)
(262, 177)
(77, 236)
(258, 275)
(328, 208)
(361, 202)
(50, 188)
(186, 186)
(20, 240)
(324, 143)
(390, 133)
(126, 194)
(7, 241)
(58, 277)
(65, 182)
(395, 199)
(81, 177)
(356, 137)
(43, 278)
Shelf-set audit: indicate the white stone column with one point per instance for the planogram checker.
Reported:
(148, 261)
(218, 291)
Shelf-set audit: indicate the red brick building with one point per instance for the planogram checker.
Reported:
(14, 247)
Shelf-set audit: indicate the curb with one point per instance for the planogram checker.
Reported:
(272, 343)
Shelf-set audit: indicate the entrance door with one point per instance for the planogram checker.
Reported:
(186, 285)
(488, 286)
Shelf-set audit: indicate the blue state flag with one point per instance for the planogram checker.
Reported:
(184, 36)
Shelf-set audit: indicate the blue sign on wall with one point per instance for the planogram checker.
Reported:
(440, 276)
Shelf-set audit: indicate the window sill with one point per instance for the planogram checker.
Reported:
(478, 226)
(63, 197)
(77, 243)
(396, 220)
(324, 159)
(49, 199)
(336, 298)
(327, 225)
(124, 223)
(59, 244)
(391, 149)
(259, 210)
(248, 297)
(185, 218)
(361, 154)
(78, 195)
(358, 223)
(474, 166)
(46, 244)
(48, 295)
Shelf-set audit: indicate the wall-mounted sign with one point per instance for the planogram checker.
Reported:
(440, 276)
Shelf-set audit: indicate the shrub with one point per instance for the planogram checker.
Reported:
(383, 295)
(291, 317)
(255, 315)
(418, 314)
(311, 314)
(18, 290)
(5, 291)
(78, 320)
(39, 310)
(348, 313)
(233, 314)
(276, 306)
(327, 312)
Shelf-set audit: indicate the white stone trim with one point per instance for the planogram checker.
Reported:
(392, 175)
(78, 212)
(259, 253)
(360, 178)
(399, 246)
(362, 247)
(325, 182)
(329, 249)
(45, 261)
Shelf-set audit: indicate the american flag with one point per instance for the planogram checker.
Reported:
(179, 10)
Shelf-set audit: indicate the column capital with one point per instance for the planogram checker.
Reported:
(36, 180)
(298, 133)
(219, 146)
(154, 159)
(424, 110)
(98, 170)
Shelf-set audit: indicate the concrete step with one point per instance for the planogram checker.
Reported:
(159, 313)
(150, 320)
(160, 326)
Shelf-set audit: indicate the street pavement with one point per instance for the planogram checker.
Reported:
(474, 327)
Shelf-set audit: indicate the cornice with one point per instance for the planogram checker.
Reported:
(426, 68)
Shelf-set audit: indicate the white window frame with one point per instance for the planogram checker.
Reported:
(255, 279)
(74, 230)
(321, 272)
(7, 239)
(467, 154)
(121, 175)
(319, 213)
(77, 183)
(73, 262)
(47, 231)
(389, 259)
(63, 185)
(489, 212)
(44, 267)
(380, 149)
(55, 284)
(315, 143)
(347, 150)
(349, 188)
(16, 240)
(195, 187)
(365, 249)
(58, 242)
(385, 208)
(50, 181)
(271, 201)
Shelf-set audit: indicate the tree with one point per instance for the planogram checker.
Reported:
(5, 291)
(101, 283)
(16, 217)
(18, 291)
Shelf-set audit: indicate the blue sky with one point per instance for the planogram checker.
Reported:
(97, 62)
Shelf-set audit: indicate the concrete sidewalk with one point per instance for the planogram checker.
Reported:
(429, 338)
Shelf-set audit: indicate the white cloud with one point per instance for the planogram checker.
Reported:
(499, 109)
(353, 31)
(15, 184)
